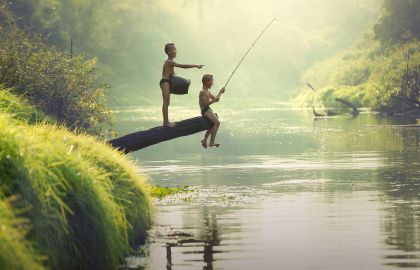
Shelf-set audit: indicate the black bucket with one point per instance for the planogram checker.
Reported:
(179, 85)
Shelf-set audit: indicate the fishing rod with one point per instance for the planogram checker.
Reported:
(310, 86)
(231, 75)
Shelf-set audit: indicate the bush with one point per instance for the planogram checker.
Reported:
(366, 75)
(66, 87)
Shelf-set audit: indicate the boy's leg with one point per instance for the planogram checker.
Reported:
(206, 136)
(166, 95)
(213, 118)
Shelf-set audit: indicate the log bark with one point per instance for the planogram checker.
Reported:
(141, 139)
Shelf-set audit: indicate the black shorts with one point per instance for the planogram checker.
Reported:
(162, 81)
(205, 109)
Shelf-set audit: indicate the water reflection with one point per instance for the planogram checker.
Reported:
(285, 190)
(208, 239)
(401, 219)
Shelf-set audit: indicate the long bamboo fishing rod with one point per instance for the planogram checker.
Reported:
(231, 75)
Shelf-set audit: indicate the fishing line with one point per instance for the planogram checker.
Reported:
(231, 75)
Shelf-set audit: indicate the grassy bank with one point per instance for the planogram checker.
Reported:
(15, 251)
(83, 203)
(366, 75)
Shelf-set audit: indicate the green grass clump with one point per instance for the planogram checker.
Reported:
(86, 201)
(15, 251)
(18, 108)
(160, 192)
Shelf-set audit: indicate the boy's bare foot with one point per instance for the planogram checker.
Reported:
(204, 143)
(169, 124)
(214, 144)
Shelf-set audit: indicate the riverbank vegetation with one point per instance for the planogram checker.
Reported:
(67, 87)
(67, 199)
(82, 202)
(379, 71)
(161, 192)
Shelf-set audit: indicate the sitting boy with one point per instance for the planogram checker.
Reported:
(205, 100)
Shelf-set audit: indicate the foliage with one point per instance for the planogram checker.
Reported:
(84, 202)
(400, 21)
(160, 192)
(64, 87)
(15, 251)
(366, 75)
(19, 108)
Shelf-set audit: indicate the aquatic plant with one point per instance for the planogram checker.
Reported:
(160, 192)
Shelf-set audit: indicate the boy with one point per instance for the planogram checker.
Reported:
(165, 82)
(205, 100)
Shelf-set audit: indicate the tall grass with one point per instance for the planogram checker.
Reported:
(19, 109)
(87, 203)
(15, 251)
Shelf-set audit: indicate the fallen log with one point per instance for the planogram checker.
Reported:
(329, 113)
(141, 139)
(401, 111)
(354, 112)
(407, 100)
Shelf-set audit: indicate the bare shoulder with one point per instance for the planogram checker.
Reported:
(170, 62)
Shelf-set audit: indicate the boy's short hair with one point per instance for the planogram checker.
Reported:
(206, 78)
(168, 47)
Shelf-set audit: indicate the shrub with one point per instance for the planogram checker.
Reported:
(66, 87)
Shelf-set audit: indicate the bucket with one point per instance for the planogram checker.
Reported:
(179, 85)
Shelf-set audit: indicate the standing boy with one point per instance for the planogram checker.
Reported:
(205, 100)
(165, 82)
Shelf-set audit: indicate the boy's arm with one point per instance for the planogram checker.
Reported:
(175, 64)
(220, 93)
(209, 102)
(218, 96)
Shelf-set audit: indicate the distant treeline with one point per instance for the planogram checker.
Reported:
(126, 36)
(101, 29)
(399, 23)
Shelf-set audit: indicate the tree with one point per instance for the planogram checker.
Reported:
(400, 21)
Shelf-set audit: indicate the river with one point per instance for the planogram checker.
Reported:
(284, 191)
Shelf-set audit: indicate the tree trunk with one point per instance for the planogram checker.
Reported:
(141, 139)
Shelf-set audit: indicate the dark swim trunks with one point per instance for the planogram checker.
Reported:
(162, 81)
(205, 109)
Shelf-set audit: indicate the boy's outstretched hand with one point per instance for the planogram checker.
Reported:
(199, 66)
(222, 91)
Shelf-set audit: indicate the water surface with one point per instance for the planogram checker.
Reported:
(284, 191)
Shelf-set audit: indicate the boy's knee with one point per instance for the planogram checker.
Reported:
(217, 123)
